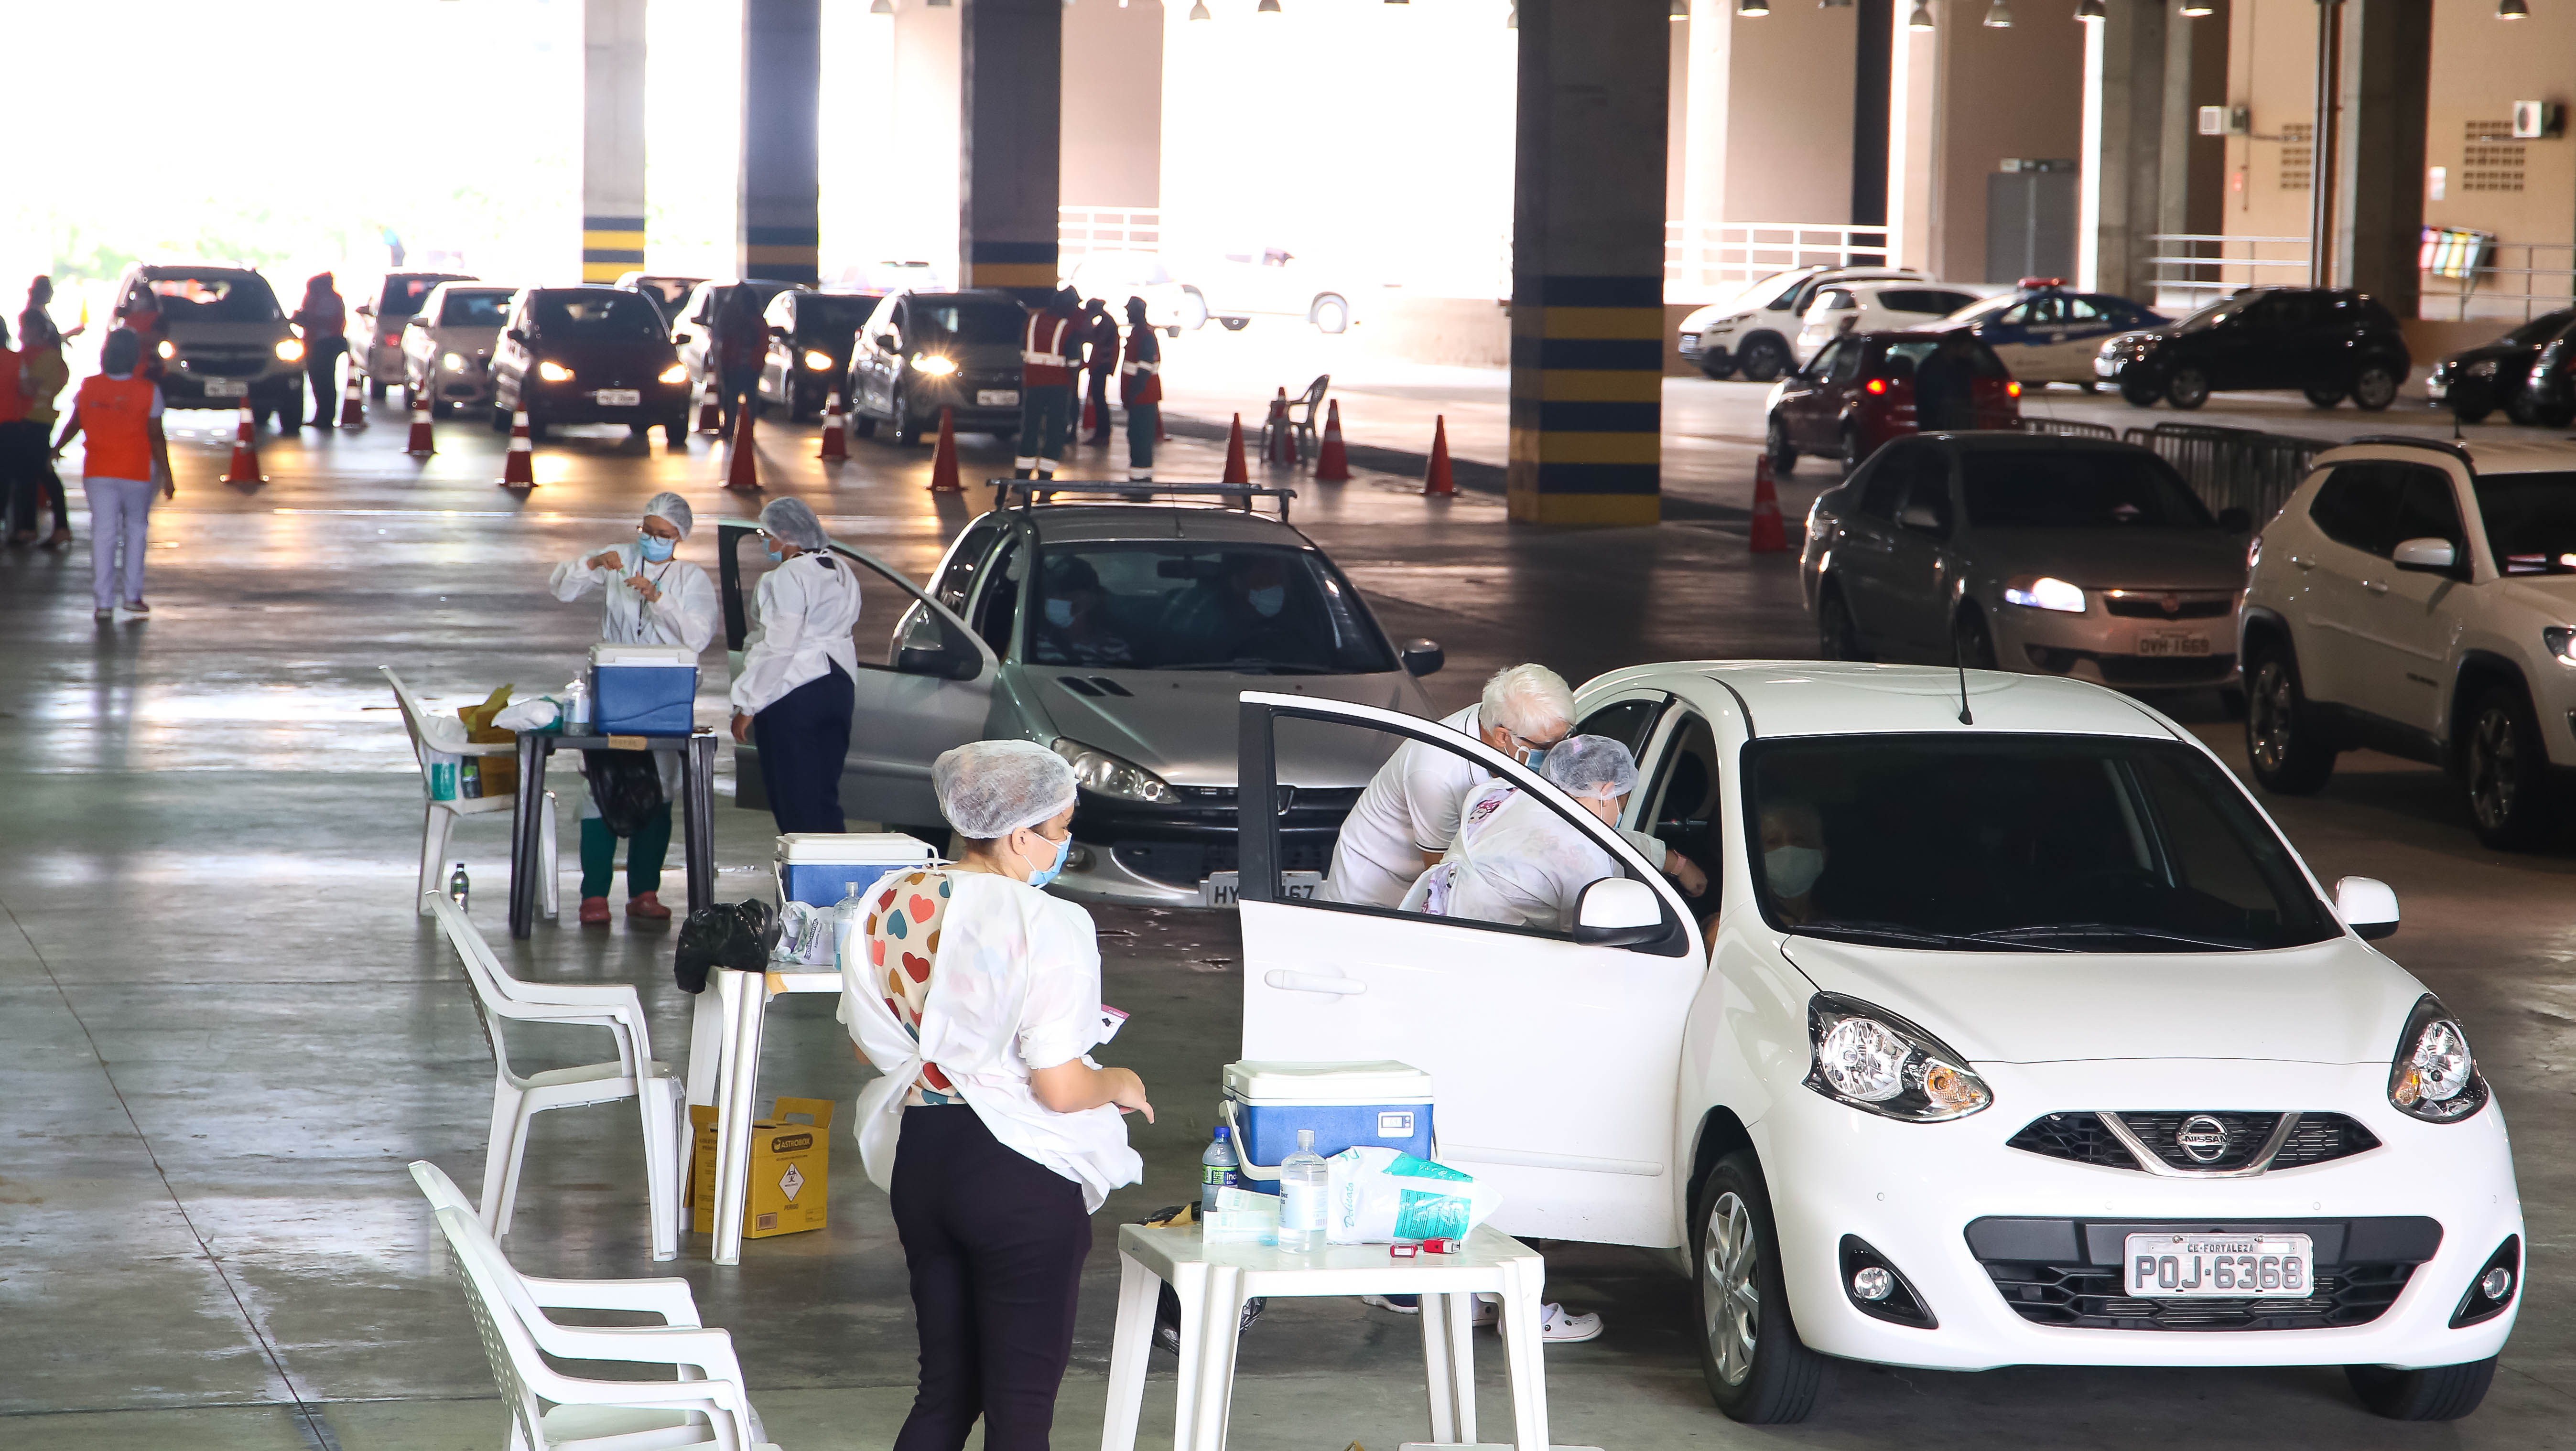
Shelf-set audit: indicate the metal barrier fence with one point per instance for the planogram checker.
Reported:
(2069, 428)
(2230, 468)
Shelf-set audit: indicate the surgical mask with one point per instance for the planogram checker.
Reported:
(1791, 870)
(1268, 602)
(774, 556)
(1055, 868)
(656, 548)
(1059, 613)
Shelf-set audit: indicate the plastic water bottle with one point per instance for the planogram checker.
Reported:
(849, 915)
(1218, 1169)
(577, 702)
(458, 886)
(1305, 1188)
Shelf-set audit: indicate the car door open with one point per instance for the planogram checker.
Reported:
(1554, 1054)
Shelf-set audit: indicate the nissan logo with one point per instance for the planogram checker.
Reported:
(2203, 1138)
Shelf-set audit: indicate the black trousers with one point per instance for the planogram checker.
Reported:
(995, 1243)
(322, 375)
(1099, 400)
(27, 475)
(804, 737)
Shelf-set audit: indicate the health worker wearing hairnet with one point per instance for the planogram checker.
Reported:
(1516, 860)
(797, 687)
(992, 1132)
(651, 597)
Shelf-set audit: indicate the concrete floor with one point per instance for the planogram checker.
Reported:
(223, 1031)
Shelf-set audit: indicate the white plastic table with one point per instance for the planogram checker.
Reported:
(724, 1070)
(1213, 1281)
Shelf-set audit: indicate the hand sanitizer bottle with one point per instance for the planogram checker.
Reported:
(1305, 1187)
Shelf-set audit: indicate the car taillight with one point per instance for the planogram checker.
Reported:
(2012, 390)
(1876, 385)
(393, 340)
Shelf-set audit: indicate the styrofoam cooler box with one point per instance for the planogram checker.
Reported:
(1384, 1104)
(817, 867)
(643, 690)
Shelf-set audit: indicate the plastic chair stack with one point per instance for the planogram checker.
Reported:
(440, 816)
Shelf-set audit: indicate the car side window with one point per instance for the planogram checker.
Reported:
(1000, 606)
(1846, 363)
(1889, 476)
(1927, 488)
(1628, 722)
(2079, 310)
(1835, 299)
(1821, 362)
(1682, 805)
(2426, 508)
(2017, 315)
(958, 580)
(2357, 506)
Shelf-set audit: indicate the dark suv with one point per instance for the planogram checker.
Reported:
(2475, 382)
(2328, 342)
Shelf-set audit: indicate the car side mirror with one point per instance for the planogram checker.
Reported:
(889, 342)
(1422, 657)
(779, 333)
(2427, 556)
(940, 662)
(1921, 519)
(1618, 912)
(516, 335)
(2236, 521)
(679, 340)
(2366, 906)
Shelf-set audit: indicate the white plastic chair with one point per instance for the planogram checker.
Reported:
(516, 1100)
(439, 817)
(614, 1006)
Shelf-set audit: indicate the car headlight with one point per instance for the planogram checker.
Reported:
(167, 349)
(2560, 639)
(1872, 1060)
(2482, 368)
(933, 365)
(451, 362)
(2046, 592)
(1098, 771)
(817, 360)
(554, 372)
(676, 373)
(2435, 1077)
(290, 351)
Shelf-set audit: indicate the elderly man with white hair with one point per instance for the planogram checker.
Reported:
(651, 597)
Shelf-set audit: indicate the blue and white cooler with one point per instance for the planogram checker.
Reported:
(643, 690)
(817, 868)
(1383, 1104)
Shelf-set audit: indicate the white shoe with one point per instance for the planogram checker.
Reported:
(1558, 1327)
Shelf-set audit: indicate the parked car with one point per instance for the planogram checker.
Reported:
(667, 291)
(1844, 307)
(223, 339)
(2018, 1035)
(2328, 342)
(693, 329)
(588, 355)
(1136, 687)
(920, 352)
(1170, 304)
(2548, 396)
(876, 279)
(1271, 282)
(447, 346)
(1859, 393)
(2024, 552)
(2475, 382)
(1751, 331)
(2047, 334)
(810, 335)
(376, 324)
(2414, 596)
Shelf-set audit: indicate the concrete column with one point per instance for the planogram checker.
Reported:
(782, 90)
(2382, 73)
(1914, 145)
(2124, 147)
(1013, 57)
(612, 138)
(1587, 262)
(1872, 90)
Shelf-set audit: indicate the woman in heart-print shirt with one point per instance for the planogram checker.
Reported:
(992, 1131)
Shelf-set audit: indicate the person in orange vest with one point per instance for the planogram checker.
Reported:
(1050, 354)
(1140, 388)
(120, 409)
(1100, 339)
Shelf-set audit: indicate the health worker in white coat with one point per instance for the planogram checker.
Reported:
(798, 686)
(651, 597)
(1519, 862)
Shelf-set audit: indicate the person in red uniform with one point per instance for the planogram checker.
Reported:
(1100, 339)
(120, 409)
(1140, 388)
(1050, 354)
(141, 315)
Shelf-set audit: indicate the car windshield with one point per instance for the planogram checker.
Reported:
(2038, 843)
(215, 297)
(473, 309)
(966, 322)
(2539, 330)
(1985, 308)
(2073, 488)
(2214, 314)
(2531, 521)
(595, 315)
(833, 312)
(1175, 605)
(404, 295)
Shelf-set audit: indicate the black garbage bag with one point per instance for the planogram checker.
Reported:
(625, 785)
(731, 935)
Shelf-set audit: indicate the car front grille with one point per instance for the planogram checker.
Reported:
(2083, 1138)
(224, 362)
(2152, 605)
(1188, 863)
(2164, 670)
(2068, 1272)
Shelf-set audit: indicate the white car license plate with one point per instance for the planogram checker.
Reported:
(997, 397)
(2173, 642)
(227, 388)
(1221, 888)
(618, 397)
(2220, 1266)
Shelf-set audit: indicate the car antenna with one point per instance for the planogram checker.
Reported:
(1959, 660)
(2455, 426)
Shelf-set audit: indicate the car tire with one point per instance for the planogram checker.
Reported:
(537, 428)
(2283, 743)
(2435, 1393)
(2320, 395)
(2139, 392)
(1847, 447)
(2505, 768)
(2187, 389)
(1716, 371)
(861, 425)
(1972, 644)
(675, 432)
(1784, 454)
(2087, 387)
(1758, 1372)
(500, 417)
(799, 410)
(907, 430)
(1763, 358)
(1837, 633)
(2518, 408)
(2375, 387)
(376, 390)
(1330, 314)
(1234, 324)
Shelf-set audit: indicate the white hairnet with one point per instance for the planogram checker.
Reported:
(1594, 766)
(1530, 701)
(792, 521)
(989, 789)
(672, 509)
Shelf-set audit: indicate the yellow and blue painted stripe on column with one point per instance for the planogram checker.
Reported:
(1587, 400)
(611, 246)
(783, 254)
(1025, 268)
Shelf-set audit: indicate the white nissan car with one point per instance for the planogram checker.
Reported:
(2010, 1032)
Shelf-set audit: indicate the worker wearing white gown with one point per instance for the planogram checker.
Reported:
(1517, 861)
(651, 597)
(798, 685)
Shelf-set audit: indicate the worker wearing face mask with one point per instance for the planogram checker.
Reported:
(1519, 862)
(798, 684)
(651, 597)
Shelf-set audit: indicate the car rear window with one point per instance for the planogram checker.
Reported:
(404, 295)
(819, 312)
(473, 309)
(967, 322)
(2531, 521)
(215, 297)
(595, 316)
(2050, 488)
(1929, 301)
(1981, 360)
(1179, 605)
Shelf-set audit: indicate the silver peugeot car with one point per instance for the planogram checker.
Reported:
(1118, 634)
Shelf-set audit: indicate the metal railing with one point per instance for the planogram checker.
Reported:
(2234, 468)
(2070, 428)
(1706, 261)
(2196, 268)
(1081, 231)
(2492, 289)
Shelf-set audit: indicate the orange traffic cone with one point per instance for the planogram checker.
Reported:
(836, 432)
(742, 469)
(710, 413)
(423, 442)
(245, 464)
(1435, 479)
(943, 458)
(1768, 535)
(1235, 472)
(1091, 423)
(519, 465)
(1332, 464)
(1278, 440)
(353, 407)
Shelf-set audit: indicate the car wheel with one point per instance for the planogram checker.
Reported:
(1848, 446)
(376, 390)
(1235, 324)
(640, 432)
(675, 431)
(1758, 1371)
(1712, 367)
(1971, 643)
(907, 431)
(2281, 737)
(1330, 314)
(2506, 769)
(862, 425)
(2187, 389)
(2374, 387)
(1837, 633)
(1763, 357)
(500, 417)
(2436, 1393)
(2139, 392)
(2322, 396)
(2518, 407)
(2089, 387)
(1784, 454)
(536, 428)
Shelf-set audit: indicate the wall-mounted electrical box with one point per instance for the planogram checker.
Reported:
(2226, 120)
(2535, 120)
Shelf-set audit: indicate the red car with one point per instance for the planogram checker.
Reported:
(1863, 390)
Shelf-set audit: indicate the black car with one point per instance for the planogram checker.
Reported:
(921, 352)
(589, 355)
(2328, 342)
(809, 347)
(2477, 381)
(2548, 395)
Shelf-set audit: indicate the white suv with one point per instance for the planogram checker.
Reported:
(1752, 333)
(2416, 596)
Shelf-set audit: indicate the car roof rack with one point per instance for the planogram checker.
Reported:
(2407, 440)
(1025, 492)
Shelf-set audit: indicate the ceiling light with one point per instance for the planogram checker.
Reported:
(1998, 16)
(1752, 7)
(1198, 11)
(1680, 10)
(2197, 8)
(881, 7)
(1921, 19)
(2090, 10)
(1266, 7)
(1512, 16)
(1833, 4)
(2512, 10)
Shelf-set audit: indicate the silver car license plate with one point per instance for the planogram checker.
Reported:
(617, 397)
(1222, 888)
(2220, 1266)
(997, 397)
(2167, 643)
(227, 388)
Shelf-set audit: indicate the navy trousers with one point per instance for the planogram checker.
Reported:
(804, 736)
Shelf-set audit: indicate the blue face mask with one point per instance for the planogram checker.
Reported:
(1059, 613)
(1268, 602)
(656, 548)
(1536, 758)
(774, 556)
(1055, 868)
